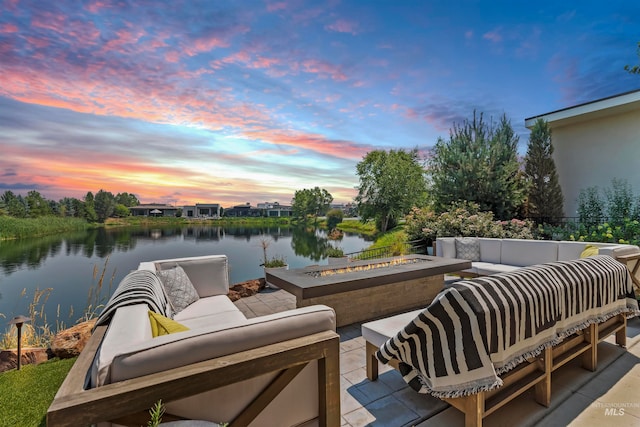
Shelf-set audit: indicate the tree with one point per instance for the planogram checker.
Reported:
(127, 199)
(479, 163)
(545, 199)
(311, 202)
(391, 183)
(121, 211)
(636, 68)
(89, 208)
(37, 205)
(105, 204)
(334, 217)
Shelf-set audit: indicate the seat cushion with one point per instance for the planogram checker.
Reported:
(379, 331)
(486, 269)
(208, 306)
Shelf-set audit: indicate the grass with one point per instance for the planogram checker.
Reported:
(25, 395)
(356, 226)
(19, 228)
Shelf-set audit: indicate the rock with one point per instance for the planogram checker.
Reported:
(9, 358)
(245, 289)
(70, 342)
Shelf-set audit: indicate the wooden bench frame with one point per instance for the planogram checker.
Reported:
(128, 402)
(535, 372)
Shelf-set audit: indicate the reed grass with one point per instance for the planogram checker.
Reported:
(39, 332)
(19, 228)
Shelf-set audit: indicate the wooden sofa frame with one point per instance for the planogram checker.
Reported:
(535, 372)
(128, 402)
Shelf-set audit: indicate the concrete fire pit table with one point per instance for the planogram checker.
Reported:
(365, 290)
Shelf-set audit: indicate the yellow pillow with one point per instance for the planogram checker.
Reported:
(161, 325)
(589, 250)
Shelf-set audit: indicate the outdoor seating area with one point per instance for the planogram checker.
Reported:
(265, 362)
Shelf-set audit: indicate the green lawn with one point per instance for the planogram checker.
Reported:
(25, 395)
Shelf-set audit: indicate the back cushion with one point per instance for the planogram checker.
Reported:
(490, 250)
(521, 253)
(570, 250)
(203, 271)
(446, 247)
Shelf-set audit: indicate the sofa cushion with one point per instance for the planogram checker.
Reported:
(521, 252)
(161, 325)
(568, 250)
(379, 331)
(179, 288)
(619, 250)
(486, 268)
(446, 247)
(490, 250)
(209, 274)
(468, 248)
(168, 351)
(207, 306)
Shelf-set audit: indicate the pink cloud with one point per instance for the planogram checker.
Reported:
(172, 56)
(343, 26)
(205, 44)
(7, 28)
(323, 68)
(275, 6)
(493, 36)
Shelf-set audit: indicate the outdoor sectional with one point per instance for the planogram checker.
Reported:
(504, 255)
(276, 370)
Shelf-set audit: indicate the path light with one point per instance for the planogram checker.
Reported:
(18, 321)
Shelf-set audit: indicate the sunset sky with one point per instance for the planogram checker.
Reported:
(247, 101)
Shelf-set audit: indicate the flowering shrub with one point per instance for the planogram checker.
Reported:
(465, 220)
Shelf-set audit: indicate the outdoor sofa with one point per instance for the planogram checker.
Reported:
(276, 370)
(484, 341)
(491, 255)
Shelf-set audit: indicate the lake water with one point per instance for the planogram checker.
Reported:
(66, 263)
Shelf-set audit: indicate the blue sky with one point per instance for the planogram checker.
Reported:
(249, 101)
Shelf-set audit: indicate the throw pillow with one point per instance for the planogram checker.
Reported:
(468, 248)
(161, 325)
(179, 288)
(589, 250)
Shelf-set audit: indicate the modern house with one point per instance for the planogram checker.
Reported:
(594, 143)
(201, 210)
(275, 209)
(245, 210)
(153, 210)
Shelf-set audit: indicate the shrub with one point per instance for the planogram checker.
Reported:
(466, 220)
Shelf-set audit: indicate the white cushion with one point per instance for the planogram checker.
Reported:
(619, 250)
(446, 247)
(487, 269)
(379, 331)
(568, 250)
(207, 306)
(129, 325)
(490, 250)
(521, 252)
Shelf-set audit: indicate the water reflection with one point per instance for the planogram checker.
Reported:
(32, 253)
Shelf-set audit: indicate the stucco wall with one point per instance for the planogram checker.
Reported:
(593, 152)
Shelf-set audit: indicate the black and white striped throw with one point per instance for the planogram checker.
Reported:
(477, 329)
(137, 287)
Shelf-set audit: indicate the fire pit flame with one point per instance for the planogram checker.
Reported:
(367, 267)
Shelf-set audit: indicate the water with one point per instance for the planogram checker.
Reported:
(66, 263)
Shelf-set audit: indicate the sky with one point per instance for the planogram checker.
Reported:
(230, 102)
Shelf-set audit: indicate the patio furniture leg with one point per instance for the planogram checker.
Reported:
(372, 362)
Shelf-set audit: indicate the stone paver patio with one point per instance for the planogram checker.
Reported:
(609, 396)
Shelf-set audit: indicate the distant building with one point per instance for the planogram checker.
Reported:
(201, 210)
(153, 210)
(245, 210)
(594, 143)
(275, 209)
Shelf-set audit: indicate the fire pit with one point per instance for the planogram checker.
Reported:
(364, 290)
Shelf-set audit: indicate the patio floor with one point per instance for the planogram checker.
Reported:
(579, 397)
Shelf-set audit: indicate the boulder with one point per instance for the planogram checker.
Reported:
(70, 342)
(245, 289)
(9, 358)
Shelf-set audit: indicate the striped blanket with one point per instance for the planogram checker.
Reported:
(477, 329)
(137, 287)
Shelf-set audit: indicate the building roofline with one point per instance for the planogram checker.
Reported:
(615, 101)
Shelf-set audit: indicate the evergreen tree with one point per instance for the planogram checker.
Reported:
(479, 163)
(545, 199)
(89, 208)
